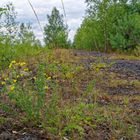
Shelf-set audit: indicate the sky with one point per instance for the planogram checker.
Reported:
(75, 11)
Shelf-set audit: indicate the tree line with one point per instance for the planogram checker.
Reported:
(15, 33)
(108, 25)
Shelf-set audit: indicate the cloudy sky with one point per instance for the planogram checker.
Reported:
(75, 10)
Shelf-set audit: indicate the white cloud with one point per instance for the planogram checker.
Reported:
(74, 9)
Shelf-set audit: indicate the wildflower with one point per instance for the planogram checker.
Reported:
(26, 69)
(97, 69)
(69, 75)
(22, 64)
(5, 79)
(15, 81)
(3, 83)
(49, 78)
(12, 88)
(11, 64)
(46, 87)
(21, 75)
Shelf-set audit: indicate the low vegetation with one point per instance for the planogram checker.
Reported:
(62, 98)
(52, 92)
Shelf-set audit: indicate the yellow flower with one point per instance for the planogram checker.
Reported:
(21, 75)
(12, 88)
(49, 78)
(26, 69)
(22, 64)
(13, 62)
(3, 83)
(5, 79)
(18, 76)
(10, 65)
(15, 81)
(46, 87)
(69, 75)
(97, 69)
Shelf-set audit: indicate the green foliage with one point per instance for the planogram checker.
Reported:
(56, 34)
(88, 37)
(30, 99)
(9, 53)
(12, 33)
(16, 39)
(6, 54)
(51, 92)
(26, 36)
(2, 120)
(2, 10)
(8, 25)
(126, 31)
(112, 25)
(74, 116)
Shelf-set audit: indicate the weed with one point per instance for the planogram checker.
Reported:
(2, 120)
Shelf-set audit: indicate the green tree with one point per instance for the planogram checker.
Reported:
(8, 25)
(2, 10)
(26, 36)
(111, 24)
(125, 31)
(97, 27)
(88, 37)
(56, 32)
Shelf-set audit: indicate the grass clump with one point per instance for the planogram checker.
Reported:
(2, 120)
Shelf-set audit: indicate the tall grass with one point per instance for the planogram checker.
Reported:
(9, 53)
